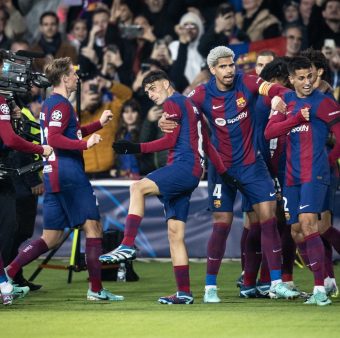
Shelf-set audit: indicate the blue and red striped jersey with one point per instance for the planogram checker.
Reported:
(307, 159)
(60, 128)
(231, 115)
(189, 141)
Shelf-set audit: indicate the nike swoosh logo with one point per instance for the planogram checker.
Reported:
(304, 206)
(213, 259)
(271, 194)
(334, 113)
(311, 264)
(216, 107)
(275, 251)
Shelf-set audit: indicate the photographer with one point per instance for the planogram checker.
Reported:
(9, 140)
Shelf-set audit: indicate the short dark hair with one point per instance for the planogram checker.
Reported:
(297, 63)
(266, 52)
(277, 69)
(153, 76)
(55, 69)
(224, 8)
(49, 13)
(317, 58)
(99, 11)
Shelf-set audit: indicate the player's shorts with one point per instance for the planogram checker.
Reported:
(175, 183)
(331, 191)
(69, 208)
(256, 181)
(303, 198)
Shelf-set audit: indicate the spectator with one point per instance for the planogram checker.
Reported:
(258, 22)
(16, 24)
(324, 23)
(223, 31)
(291, 13)
(4, 41)
(127, 166)
(150, 132)
(294, 35)
(305, 9)
(99, 159)
(161, 53)
(184, 52)
(51, 43)
(78, 33)
(156, 12)
(121, 13)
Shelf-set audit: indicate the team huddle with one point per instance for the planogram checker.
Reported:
(269, 139)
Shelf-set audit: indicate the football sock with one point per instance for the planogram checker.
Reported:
(216, 248)
(333, 236)
(3, 277)
(132, 224)
(264, 271)
(271, 248)
(182, 278)
(303, 252)
(253, 255)
(329, 269)
(288, 254)
(28, 254)
(243, 246)
(93, 249)
(316, 256)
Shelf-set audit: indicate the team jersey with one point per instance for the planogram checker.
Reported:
(8, 137)
(262, 111)
(189, 140)
(231, 115)
(60, 128)
(306, 155)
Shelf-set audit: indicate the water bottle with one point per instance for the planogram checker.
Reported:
(121, 273)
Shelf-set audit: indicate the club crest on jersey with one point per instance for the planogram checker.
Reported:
(56, 115)
(220, 121)
(241, 102)
(5, 109)
(217, 204)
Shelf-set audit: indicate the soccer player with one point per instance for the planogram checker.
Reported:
(69, 199)
(7, 198)
(309, 117)
(173, 184)
(329, 234)
(228, 102)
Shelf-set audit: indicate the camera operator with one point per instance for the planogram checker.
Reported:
(9, 140)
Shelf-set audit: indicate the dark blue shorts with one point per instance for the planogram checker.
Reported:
(331, 192)
(256, 181)
(175, 183)
(69, 208)
(304, 198)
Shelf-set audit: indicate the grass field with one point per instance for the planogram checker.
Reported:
(61, 310)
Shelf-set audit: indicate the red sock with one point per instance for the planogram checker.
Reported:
(93, 249)
(316, 256)
(28, 254)
(132, 224)
(182, 278)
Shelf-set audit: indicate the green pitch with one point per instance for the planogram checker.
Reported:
(61, 310)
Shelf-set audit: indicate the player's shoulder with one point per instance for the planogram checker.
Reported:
(199, 90)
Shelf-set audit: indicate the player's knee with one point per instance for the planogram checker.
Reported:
(136, 187)
(93, 229)
(175, 235)
(222, 217)
(308, 227)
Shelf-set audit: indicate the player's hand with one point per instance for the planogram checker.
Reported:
(167, 126)
(232, 181)
(48, 150)
(93, 140)
(154, 113)
(106, 117)
(38, 189)
(305, 113)
(278, 104)
(126, 147)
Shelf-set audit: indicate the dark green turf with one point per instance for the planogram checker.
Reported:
(61, 309)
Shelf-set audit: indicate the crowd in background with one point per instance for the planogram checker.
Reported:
(117, 42)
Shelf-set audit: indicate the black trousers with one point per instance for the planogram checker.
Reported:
(8, 223)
